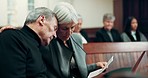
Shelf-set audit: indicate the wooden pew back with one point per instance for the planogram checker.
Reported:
(125, 54)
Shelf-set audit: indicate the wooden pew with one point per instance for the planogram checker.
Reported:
(126, 54)
(91, 32)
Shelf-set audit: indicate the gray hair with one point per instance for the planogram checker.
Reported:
(65, 13)
(34, 14)
(108, 16)
(80, 17)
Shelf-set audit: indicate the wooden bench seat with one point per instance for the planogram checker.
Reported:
(126, 54)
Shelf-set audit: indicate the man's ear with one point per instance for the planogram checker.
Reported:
(41, 20)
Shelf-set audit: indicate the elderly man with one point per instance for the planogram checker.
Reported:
(108, 33)
(19, 49)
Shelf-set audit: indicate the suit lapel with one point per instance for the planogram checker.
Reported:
(80, 57)
(63, 55)
(106, 36)
(138, 36)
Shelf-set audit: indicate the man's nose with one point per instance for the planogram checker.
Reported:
(54, 35)
(70, 31)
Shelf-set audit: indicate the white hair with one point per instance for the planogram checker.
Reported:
(65, 13)
(109, 16)
(34, 14)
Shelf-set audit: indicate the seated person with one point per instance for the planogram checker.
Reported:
(85, 35)
(131, 32)
(78, 31)
(19, 54)
(107, 33)
(64, 56)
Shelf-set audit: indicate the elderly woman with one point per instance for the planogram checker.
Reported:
(131, 32)
(108, 33)
(64, 57)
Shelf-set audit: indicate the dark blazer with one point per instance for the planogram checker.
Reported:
(20, 56)
(127, 37)
(84, 34)
(102, 36)
(57, 58)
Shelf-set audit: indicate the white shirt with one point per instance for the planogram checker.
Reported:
(133, 33)
(83, 39)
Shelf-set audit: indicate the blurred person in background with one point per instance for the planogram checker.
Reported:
(78, 30)
(108, 33)
(131, 32)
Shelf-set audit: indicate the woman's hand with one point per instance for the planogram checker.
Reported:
(101, 64)
(6, 27)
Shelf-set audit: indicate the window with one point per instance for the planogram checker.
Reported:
(30, 5)
(11, 4)
(10, 16)
(10, 11)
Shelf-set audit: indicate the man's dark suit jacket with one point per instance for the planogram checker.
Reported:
(102, 36)
(20, 56)
(84, 34)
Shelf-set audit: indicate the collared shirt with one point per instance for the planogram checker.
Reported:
(133, 33)
(110, 35)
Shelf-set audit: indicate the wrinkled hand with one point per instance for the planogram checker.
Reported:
(101, 64)
(6, 27)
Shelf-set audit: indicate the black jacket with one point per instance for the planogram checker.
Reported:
(19, 54)
(102, 36)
